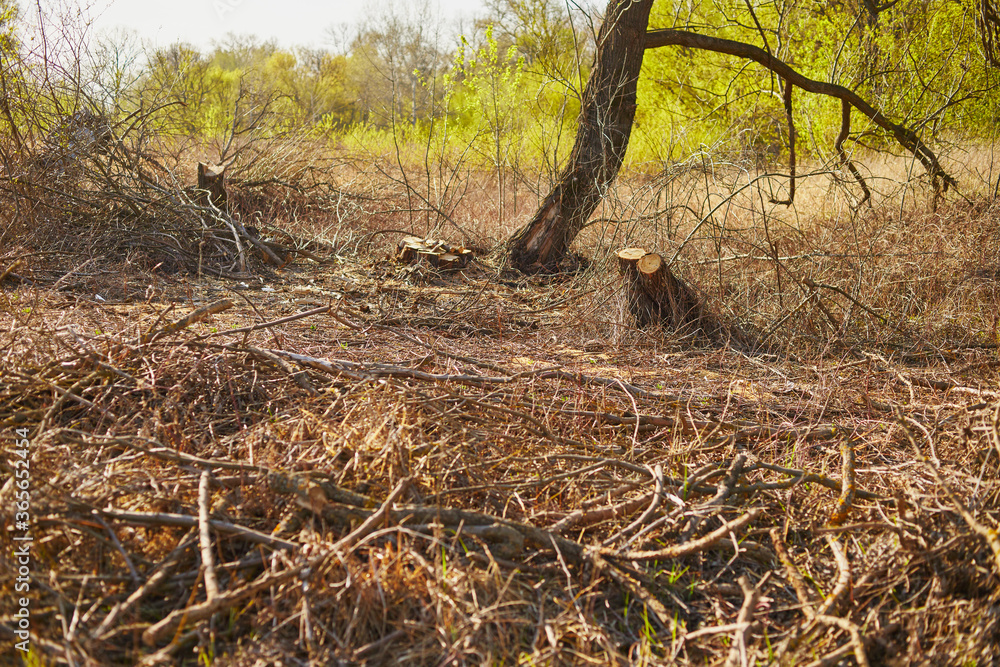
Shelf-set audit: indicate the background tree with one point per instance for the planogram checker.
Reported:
(554, 42)
(10, 79)
(392, 55)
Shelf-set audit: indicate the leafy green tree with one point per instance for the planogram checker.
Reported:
(319, 88)
(930, 52)
(178, 75)
(242, 52)
(490, 101)
(920, 61)
(555, 43)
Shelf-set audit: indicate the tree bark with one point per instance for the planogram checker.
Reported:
(212, 186)
(643, 308)
(605, 124)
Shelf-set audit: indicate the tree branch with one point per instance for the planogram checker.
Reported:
(905, 136)
(787, 98)
(845, 131)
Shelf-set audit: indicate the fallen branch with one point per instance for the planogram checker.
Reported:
(847, 487)
(272, 323)
(802, 477)
(856, 642)
(653, 505)
(359, 371)
(989, 534)
(193, 317)
(829, 605)
(162, 572)
(693, 547)
(792, 573)
(583, 518)
(184, 521)
(631, 584)
(205, 536)
(744, 621)
(200, 612)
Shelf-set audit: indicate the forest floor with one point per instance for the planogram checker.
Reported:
(354, 460)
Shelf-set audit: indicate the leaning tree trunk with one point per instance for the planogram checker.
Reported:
(608, 110)
(605, 124)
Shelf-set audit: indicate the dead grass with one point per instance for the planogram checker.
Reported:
(562, 487)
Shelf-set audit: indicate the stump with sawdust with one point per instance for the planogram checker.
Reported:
(211, 189)
(439, 254)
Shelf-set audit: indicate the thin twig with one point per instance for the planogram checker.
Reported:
(847, 490)
(200, 612)
(856, 642)
(205, 536)
(744, 621)
(692, 547)
(193, 317)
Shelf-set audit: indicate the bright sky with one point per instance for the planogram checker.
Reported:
(290, 22)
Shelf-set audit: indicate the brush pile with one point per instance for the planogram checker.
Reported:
(93, 187)
(365, 480)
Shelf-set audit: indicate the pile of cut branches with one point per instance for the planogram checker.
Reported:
(97, 188)
(218, 489)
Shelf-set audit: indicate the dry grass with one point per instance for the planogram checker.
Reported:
(482, 468)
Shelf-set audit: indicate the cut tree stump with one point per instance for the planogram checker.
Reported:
(439, 254)
(212, 185)
(656, 295)
(627, 259)
(643, 308)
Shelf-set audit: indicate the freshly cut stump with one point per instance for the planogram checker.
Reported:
(627, 259)
(408, 248)
(655, 295)
(642, 307)
(678, 302)
(450, 261)
(212, 185)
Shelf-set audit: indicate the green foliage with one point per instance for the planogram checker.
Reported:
(486, 93)
(10, 77)
(919, 61)
(487, 108)
(506, 96)
(8, 28)
(247, 86)
(544, 34)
